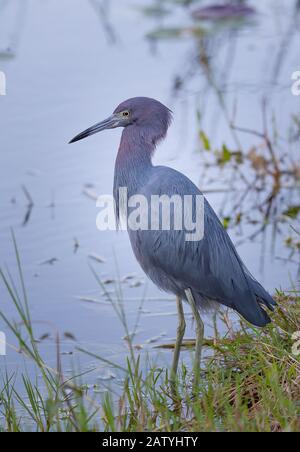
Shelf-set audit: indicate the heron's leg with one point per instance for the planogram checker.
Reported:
(199, 332)
(180, 334)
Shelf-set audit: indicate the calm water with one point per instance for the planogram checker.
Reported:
(67, 68)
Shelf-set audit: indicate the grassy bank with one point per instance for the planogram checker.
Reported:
(249, 382)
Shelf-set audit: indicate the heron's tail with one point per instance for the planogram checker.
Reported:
(256, 313)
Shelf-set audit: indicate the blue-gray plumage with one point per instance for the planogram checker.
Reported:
(211, 268)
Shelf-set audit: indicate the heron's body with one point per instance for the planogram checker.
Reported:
(210, 268)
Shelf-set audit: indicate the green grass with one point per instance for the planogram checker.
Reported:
(249, 382)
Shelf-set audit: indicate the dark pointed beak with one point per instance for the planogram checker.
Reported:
(109, 123)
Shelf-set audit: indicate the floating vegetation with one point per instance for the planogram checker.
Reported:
(50, 261)
(91, 194)
(223, 12)
(30, 205)
(158, 10)
(176, 32)
(95, 257)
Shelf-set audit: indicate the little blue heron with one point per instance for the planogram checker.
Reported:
(204, 273)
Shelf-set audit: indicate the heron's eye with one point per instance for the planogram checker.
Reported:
(125, 113)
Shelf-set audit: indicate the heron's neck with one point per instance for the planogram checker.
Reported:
(133, 163)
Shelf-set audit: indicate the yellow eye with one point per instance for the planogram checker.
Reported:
(125, 113)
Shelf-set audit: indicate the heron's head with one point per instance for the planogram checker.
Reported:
(150, 117)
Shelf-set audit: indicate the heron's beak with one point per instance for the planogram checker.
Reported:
(109, 123)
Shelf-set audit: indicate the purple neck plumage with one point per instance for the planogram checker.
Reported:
(134, 159)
